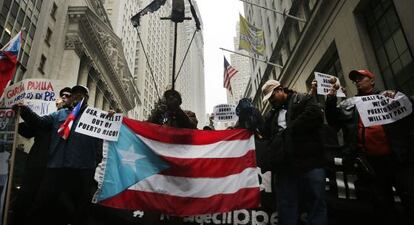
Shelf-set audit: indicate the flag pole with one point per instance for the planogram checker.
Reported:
(11, 169)
(276, 11)
(261, 60)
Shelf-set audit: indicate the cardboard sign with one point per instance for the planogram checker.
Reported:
(225, 113)
(96, 123)
(379, 110)
(324, 85)
(40, 107)
(40, 89)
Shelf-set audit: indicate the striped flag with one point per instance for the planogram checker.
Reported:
(179, 172)
(229, 72)
(8, 61)
(64, 129)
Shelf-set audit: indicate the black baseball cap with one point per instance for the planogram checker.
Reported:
(65, 89)
(80, 89)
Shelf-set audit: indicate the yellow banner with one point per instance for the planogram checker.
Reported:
(251, 37)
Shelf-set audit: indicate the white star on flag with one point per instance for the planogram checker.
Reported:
(130, 157)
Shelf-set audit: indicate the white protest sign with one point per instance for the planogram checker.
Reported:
(40, 89)
(379, 110)
(225, 112)
(40, 107)
(96, 123)
(324, 84)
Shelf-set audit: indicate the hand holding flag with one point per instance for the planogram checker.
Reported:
(64, 129)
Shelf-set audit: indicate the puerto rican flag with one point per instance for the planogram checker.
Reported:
(8, 61)
(64, 129)
(179, 172)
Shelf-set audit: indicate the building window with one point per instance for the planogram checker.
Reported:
(53, 11)
(42, 64)
(393, 55)
(48, 36)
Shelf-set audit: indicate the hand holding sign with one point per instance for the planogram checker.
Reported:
(328, 85)
(100, 124)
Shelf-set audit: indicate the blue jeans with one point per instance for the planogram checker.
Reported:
(304, 192)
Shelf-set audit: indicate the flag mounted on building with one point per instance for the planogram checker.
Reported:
(229, 72)
(179, 172)
(251, 38)
(64, 129)
(8, 61)
(152, 7)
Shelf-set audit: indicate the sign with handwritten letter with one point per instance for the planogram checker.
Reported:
(96, 123)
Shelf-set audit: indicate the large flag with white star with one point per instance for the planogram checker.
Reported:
(178, 171)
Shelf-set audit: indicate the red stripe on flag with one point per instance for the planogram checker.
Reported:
(174, 205)
(184, 136)
(210, 168)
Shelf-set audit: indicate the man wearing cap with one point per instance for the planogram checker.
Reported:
(384, 152)
(296, 153)
(35, 165)
(71, 164)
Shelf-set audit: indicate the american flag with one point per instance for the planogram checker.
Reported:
(229, 72)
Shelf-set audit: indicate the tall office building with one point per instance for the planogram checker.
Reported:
(240, 80)
(120, 13)
(158, 40)
(337, 37)
(72, 42)
(15, 16)
(190, 81)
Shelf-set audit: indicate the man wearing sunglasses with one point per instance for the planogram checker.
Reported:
(295, 153)
(35, 165)
(386, 151)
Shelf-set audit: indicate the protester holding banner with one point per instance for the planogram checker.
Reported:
(383, 152)
(71, 164)
(296, 153)
(35, 165)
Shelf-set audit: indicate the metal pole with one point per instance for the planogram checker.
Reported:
(11, 171)
(261, 60)
(276, 11)
(175, 54)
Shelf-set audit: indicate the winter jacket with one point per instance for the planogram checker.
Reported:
(345, 116)
(302, 144)
(79, 151)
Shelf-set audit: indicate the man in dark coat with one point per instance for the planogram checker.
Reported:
(383, 152)
(71, 163)
(296, 154)
(35, 165)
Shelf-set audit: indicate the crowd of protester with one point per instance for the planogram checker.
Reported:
(58, 182)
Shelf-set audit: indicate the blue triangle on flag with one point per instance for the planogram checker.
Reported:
(129, 161)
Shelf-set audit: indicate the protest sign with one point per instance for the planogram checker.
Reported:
(40, 89)
(324, 84)
(40, 107)
(7, 126)
(379, 110)
(96, 123)
(225, 112)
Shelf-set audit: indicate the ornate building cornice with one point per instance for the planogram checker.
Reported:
(88, 35)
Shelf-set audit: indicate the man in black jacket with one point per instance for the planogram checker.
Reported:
(35, 165)
(297, 154)
(384, 152)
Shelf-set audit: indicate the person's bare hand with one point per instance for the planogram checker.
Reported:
(389, 93)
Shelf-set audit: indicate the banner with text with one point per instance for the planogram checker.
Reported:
(39, 89)
(96, 123)
(41, 107)
(324, 84)
(379, 110)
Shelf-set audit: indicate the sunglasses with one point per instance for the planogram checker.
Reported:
(66, 95)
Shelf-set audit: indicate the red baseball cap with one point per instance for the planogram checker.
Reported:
(353, 74)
